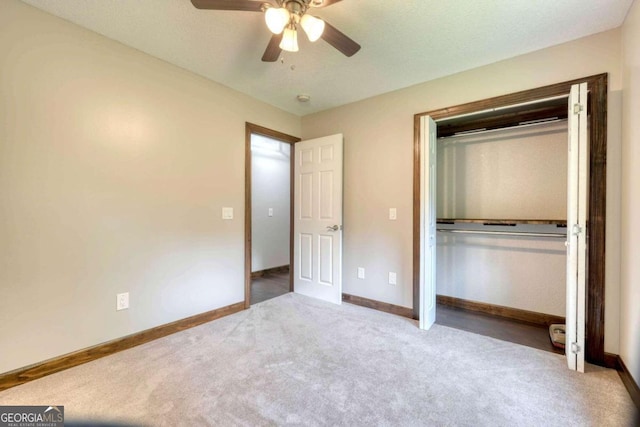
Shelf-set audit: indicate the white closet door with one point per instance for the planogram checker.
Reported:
(317, 245)
(577, 227)
(428, 222)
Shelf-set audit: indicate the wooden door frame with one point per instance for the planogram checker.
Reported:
(597, 108)
(253, 129)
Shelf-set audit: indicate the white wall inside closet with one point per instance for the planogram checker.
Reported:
(270, 202)
(517, 173)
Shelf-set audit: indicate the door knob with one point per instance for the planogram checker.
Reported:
(333, 227)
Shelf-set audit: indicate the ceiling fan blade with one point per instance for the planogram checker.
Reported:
(324, 3)
(272, 52)
(246, 5)
(339, 40)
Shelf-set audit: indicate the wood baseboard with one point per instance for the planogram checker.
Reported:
(630, 384)
(530, 317)
(274, 270)
(51, 366)
(378, 305)
(611, 361)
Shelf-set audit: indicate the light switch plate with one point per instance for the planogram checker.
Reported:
(122, 301)
(227, 213)
(393, 214)
(392, 278)
(270, 211)
(360, 273)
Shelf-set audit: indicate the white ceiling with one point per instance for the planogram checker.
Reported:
(403, 42)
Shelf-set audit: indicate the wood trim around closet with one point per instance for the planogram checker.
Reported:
(251, 129)
(597, 87)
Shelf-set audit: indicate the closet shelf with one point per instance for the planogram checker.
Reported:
(507, 222)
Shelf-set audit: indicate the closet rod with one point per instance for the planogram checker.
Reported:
(502, 233)
(479, 131)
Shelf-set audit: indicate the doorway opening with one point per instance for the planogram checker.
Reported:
(494, 114)
(268, 213)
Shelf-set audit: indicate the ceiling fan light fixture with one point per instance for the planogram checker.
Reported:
(314, 27)
(289, 39)
(284, 18)
(277, 19)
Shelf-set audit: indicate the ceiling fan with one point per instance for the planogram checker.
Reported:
(283, 20)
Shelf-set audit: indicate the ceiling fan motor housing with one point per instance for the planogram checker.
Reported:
(296, 8)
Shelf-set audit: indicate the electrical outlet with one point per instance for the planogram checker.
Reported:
(392, 278)
(360, 273)
(122, 301)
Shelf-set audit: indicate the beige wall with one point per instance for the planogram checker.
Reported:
(630, 295)
(114, 167)
(379, 153)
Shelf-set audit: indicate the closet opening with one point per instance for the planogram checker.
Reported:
(500, 219)
(502, 222)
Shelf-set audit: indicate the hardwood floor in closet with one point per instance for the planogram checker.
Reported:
(496, 327)
(269, 285)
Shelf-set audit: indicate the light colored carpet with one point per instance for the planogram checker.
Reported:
(295, 360)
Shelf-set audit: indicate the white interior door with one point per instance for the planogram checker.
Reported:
(428, 152)
(317, 226)
(577, 227)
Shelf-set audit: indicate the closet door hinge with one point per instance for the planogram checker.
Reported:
(577, 108)
(575, 348)
(576, 229)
